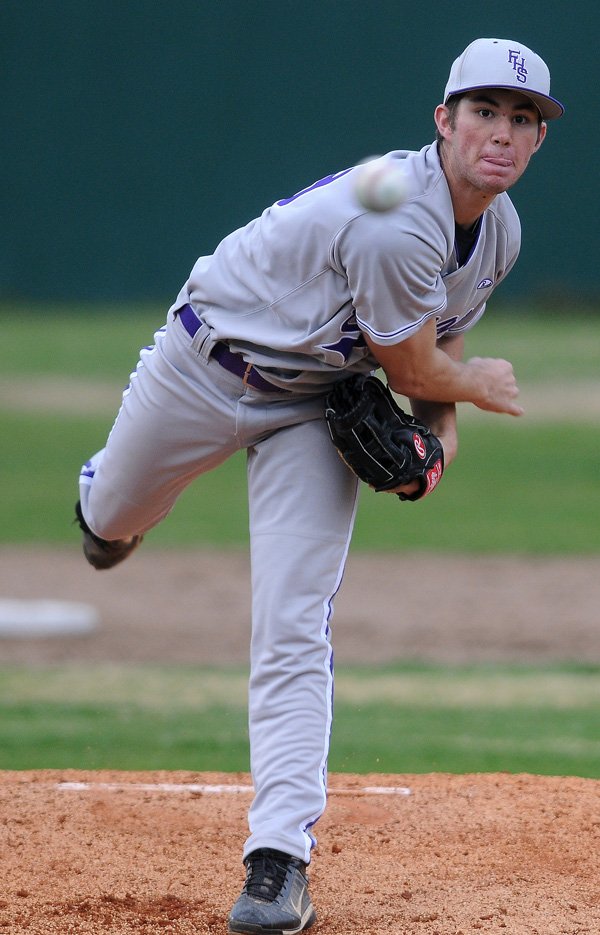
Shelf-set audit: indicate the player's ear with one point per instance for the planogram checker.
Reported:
(541, 135)
(442, 120)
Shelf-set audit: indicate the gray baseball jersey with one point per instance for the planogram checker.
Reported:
(300, 315)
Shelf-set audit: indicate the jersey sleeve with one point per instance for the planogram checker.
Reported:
(393, 272)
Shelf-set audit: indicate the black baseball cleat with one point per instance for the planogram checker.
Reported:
(104, 553)
(275, 899)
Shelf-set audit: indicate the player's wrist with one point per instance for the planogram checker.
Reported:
(441, 419)
(478, 383)
(449, 443)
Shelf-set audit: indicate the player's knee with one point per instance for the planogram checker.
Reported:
(110, 523)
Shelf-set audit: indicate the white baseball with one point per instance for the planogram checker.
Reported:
(381, 184)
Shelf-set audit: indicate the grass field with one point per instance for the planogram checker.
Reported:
(396, 719)
(501, 496)
(518, 486)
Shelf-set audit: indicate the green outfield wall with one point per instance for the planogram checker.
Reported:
(136, 134)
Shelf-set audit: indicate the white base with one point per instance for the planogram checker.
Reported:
(20, 619)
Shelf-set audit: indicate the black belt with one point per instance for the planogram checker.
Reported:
(234, 363)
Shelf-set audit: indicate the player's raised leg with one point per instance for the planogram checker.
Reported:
(177, 420)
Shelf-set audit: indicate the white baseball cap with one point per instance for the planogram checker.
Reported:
(504, 63)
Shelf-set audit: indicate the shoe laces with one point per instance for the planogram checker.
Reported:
(266, 874)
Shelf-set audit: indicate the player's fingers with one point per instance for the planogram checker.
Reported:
(508, 405)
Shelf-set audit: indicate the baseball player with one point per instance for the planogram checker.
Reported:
(316, 290)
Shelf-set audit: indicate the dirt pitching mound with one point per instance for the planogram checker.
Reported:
(105, 852)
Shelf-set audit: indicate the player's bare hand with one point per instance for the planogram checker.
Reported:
(499, 389)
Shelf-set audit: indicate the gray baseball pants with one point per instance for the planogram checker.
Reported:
(182, 415)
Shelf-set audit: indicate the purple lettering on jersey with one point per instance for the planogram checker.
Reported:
(346, 345)
(319, 184)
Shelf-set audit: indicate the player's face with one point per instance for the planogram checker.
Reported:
(490, 141)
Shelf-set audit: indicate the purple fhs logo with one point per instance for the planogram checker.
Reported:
(518, 64)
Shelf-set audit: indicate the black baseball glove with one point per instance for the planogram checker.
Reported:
(383, 445)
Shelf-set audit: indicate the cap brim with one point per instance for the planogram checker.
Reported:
(548, 106)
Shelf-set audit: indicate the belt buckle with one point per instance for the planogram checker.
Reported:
(247, 373)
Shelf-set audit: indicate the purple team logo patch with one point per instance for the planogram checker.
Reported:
(485, 284)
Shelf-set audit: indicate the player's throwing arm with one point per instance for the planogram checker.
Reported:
(419, 369)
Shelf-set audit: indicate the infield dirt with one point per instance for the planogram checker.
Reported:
(194, 607)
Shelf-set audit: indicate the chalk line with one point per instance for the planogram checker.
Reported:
(209, 789)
